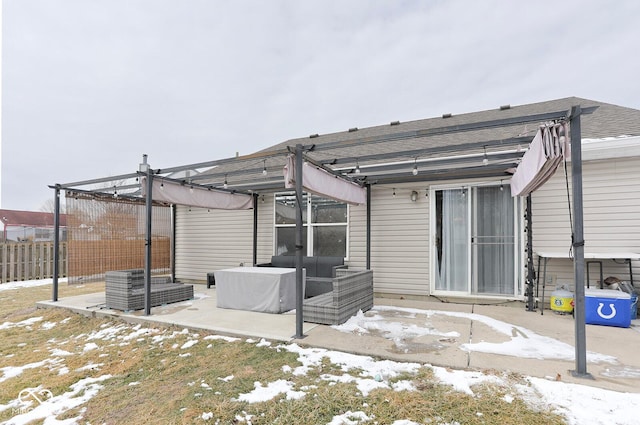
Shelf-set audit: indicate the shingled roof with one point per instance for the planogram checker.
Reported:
(446, 147)
(484, 144)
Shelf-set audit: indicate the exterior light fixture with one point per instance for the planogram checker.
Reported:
(264, 167)
(225, 185)
(485, 160)
(161, 185)
(414, 196)
(501, 186)
(415, 167)
(357, 170)
(115, 192)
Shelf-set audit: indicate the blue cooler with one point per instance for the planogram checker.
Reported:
(607, 307)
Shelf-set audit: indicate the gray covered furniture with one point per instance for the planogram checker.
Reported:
(352, 291)
(125, 290)
(262, 289)
(320, 271)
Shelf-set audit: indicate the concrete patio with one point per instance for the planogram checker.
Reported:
(455, 326)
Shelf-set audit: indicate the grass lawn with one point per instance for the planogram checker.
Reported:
(109, 372)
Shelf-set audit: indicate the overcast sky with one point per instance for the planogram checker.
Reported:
(88, 86)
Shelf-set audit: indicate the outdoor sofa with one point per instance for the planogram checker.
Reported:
(320, 271)
(352, 291)
(125, 290)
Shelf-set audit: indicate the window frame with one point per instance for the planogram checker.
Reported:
(308, 225)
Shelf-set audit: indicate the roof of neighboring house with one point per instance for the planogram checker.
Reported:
(29, 218)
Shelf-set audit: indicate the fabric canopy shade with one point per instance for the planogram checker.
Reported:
(323, 183)
(181, 194)
(548, 148)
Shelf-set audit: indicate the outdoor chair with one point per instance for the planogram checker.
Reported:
(125, 290)
(352, 291)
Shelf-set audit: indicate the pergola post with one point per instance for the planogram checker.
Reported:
(147, 253)
(368, 227)
(299, 245)
(255, 229)
(578, 244)
(531, 274)
(56, 242)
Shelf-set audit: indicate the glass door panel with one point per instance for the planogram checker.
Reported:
(452, 240)
(493, 241)
(475, 241)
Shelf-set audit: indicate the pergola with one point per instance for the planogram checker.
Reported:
(236, 183)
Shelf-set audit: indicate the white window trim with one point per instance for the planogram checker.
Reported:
(521, 234)
(308, 225)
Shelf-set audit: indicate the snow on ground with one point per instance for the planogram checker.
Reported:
(523, 343)
(6, 286)
(578, 403)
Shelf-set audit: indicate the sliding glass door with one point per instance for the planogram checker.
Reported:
(476, 241)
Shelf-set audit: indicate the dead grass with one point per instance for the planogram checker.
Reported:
(155, 380)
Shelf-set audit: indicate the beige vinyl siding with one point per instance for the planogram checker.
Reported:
(399, 240)
(611, 217)
(208, 241)
(357, 250)
(211, 240)
(265, 228)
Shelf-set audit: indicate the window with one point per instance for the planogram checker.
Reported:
(325, 224)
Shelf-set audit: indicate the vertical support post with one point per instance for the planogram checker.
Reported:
(173, 242)
(147, 253)
(56, 242)
(299, 245)
(531, 274)
(368, 227)
(255, 229)
(578, 243)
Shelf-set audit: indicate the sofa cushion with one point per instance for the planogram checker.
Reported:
(315, 266)
(326, 264)
(318, 285)
(286, 261)
(309, 263)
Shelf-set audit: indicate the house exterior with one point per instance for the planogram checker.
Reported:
(29, 226)
(440, 220)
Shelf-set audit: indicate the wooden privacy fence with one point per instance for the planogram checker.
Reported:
(89, 259)
(30, 260)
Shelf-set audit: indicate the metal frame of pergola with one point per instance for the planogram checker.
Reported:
(457, 161)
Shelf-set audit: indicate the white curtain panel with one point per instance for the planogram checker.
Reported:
(183, 194)
(548, 148)
(323, 183)
(453, 273)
